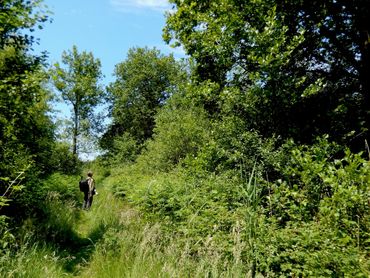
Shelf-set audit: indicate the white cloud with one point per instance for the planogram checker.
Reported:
(135, 5)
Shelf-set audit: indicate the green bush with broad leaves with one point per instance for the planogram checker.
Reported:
(318, 214)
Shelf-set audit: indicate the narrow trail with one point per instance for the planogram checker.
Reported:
(91, 228)
(112, 239)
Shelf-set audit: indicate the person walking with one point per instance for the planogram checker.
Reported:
(89, 192)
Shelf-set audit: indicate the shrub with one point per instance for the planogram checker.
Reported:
(318, 214)
(180, 132)
(63, 160)
(125, 149)
(311, 220)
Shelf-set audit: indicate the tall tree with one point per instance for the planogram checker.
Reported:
(144, 81)
(335, 54)
(302, 66)
(77, 79)
(26, 131)
(19, 18)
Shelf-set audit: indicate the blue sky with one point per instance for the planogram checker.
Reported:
(107, 28)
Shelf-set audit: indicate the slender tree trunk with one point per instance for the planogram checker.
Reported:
(75, 130)
(365, 76)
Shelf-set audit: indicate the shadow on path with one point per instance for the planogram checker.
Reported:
(73, 250)
(80, 249)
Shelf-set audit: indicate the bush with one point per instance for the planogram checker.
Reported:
(63, 160)
(65, 186)
(307, 249)
(318, 214)
(179, 133)
(231, 147)
(311, 220)
(125, 149)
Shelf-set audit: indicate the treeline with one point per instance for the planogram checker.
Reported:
(254, 149)
(26, 130)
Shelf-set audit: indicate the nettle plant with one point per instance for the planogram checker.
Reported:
(317, 185)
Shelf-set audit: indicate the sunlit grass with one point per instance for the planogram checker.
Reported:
(113, 239)
(34, 260)
(133, 247)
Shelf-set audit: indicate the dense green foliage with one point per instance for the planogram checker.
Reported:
(26, 131)
(311, 222)
(221, 170)
(144, 81)
(22, 97)
(28, 152)
(301, 67)
(246, 162)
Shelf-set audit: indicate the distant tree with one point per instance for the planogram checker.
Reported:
(77, 79)
(144, 81)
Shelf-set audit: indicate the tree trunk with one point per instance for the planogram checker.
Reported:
(75, 130)
(365, 77)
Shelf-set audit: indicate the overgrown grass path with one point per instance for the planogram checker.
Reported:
(93, 228)
(71, 242)
(122, 243)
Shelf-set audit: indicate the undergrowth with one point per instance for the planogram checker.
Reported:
(311, 221)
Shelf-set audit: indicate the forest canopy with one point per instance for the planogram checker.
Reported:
(301, 67)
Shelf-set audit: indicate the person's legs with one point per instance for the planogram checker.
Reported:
(86, 200)
(90, 201)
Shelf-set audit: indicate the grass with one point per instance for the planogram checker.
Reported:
(130, 246)
(32, 261)
(113, 240)
(156, 224)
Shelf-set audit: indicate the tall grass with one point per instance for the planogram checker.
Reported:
(33, 260)
(40, 246)
(139, 250)
(46, 243)
(219, 226)
(132, 246)
(112, 240)
(173, 225)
